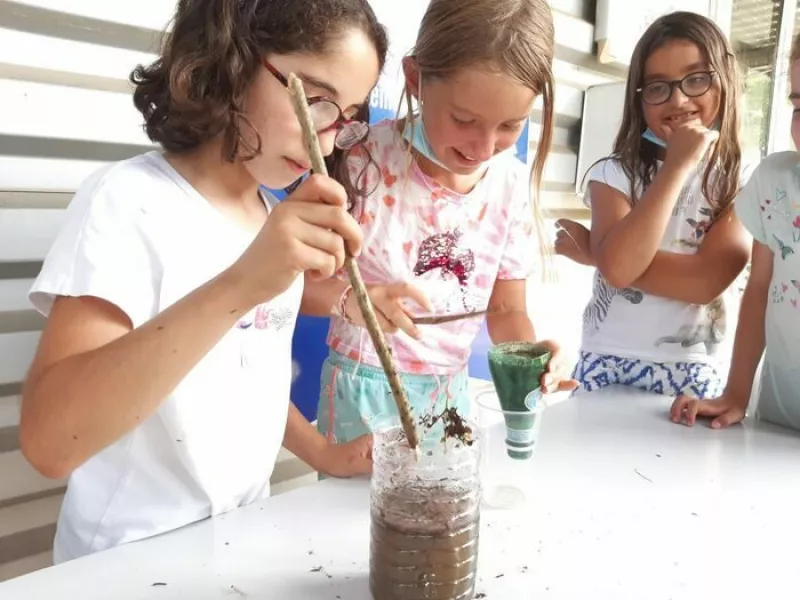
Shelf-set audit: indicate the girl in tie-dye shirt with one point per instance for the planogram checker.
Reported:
(448, 215)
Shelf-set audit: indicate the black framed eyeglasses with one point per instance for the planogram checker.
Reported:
(692, 86)
(327, 115)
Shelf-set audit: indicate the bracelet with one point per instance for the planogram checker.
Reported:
(342, 307)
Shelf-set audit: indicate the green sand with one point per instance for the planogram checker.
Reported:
(517, 369)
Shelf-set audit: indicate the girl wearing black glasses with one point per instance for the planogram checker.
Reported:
(664, 238)
(161, 382)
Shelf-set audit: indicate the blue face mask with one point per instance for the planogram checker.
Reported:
(419, 141)
(652, 137)
(414, 134)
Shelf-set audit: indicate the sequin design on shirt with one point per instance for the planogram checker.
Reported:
(441, 251)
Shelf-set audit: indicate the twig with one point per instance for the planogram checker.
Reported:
(359, 289)
(642, 475)
(439, 319)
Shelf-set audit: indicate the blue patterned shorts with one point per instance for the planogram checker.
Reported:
(695, 379)
(353, 396)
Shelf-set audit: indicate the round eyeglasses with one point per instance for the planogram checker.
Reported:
(692, 86)
(327, 115)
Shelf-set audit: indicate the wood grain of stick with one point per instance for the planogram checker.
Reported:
(441, 319)
(359, 289)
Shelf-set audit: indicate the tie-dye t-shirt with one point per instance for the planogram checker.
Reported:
(452, 246)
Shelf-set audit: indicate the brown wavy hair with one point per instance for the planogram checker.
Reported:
(638, 161)
(195, 91)
(515, 36)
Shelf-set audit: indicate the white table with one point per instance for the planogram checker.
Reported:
(631, 507)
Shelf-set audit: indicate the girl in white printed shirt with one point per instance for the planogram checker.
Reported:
(769, 321)
(161, 382)
(664, 238)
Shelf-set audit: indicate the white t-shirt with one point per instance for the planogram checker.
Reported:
(769, 207)
(141, 237)
(629, 323)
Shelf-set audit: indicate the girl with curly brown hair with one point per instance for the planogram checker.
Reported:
(161, 382)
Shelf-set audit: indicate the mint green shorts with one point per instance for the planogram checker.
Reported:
(353, 396)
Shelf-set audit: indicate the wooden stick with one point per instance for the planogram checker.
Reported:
(359, 289)
(440, 319)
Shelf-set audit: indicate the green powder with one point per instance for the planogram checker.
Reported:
(517, 369)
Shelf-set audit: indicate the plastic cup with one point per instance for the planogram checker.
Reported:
(508, 441)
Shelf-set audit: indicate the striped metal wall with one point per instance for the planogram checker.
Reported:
(576, 68)
(65, 110)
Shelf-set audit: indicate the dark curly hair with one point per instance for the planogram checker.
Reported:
(194, 92)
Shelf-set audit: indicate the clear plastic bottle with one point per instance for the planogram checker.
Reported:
(425, 517)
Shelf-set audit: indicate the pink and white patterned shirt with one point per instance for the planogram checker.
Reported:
(452, 246)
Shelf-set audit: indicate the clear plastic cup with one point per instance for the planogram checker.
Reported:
(508, 449)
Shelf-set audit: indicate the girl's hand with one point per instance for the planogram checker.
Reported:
(390, 309)
(688, 143)
(573, 241)
(308, 231)
(557, 378)
(726, 410)
(348, 459)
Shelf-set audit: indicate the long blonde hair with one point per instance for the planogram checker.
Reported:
(514, 36)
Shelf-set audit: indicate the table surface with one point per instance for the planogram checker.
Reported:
(631, 507)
